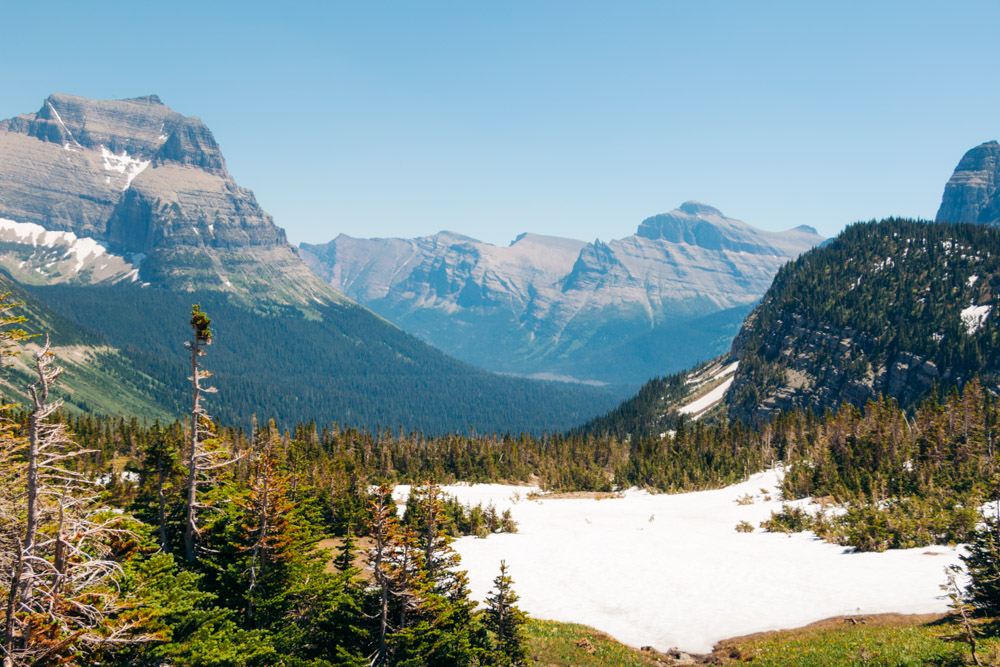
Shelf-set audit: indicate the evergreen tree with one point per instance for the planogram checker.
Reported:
(982, 561)
(506, 621)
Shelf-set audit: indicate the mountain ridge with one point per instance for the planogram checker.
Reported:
(121, 214)
(555, 305)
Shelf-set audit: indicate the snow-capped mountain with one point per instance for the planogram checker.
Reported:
(672, 294)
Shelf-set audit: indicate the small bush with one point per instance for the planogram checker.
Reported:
(788, 520)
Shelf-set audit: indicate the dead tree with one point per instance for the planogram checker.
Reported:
(60, 588)
(383, 531)
(205, 452)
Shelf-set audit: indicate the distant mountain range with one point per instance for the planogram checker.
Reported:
(897, 308)
(670, 295)
(121, 214)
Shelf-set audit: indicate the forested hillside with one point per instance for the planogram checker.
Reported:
(895, 307)
(99, 377)
(344, 365)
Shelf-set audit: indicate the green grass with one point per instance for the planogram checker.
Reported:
(878, 641)
(564, 644)
(899, 642)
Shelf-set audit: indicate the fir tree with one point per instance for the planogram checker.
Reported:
(982, 561)
(506, 621)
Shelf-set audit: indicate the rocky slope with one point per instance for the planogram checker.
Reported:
(120, 214)
(672, 294)
(973, 192)
(151, 186)
(895, 308)
(654, 412)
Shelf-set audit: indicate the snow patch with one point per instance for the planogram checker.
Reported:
(974, 317)
(972, 280)
(62, 124)
(28, 232)
(705, 402)
(687, 578)
(123, 164)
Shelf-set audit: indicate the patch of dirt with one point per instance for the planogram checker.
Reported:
(361, 547)
(572, 495)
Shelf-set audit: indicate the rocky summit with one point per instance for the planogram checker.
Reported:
(972, 194)
(670, 295)
(150, 188)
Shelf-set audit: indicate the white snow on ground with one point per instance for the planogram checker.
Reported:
(62, 124)
(123, 164)
(670, 570)
(706, 401)
(28, 232)
(727, 370)
(972, 280)
(974, 317)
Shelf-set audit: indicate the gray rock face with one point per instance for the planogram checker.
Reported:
(149, 183)
(825, 366)
(972, 194)
(622, 311)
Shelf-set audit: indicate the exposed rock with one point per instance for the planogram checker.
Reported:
(972, 194)
(649, 304)
(883, 310)
(826, 366)
(147, 181)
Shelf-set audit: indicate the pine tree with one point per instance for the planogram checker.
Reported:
(344, 561)
(383, 529)
(506, 621)
(267, 531)
(160, 459)
(982, 561)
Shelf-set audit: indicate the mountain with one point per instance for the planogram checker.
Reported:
(664, 298)
(120, 214)
(152, 187)
(655, 410)
(972, 194)
(897, 308)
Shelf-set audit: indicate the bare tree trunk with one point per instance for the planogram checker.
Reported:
(190, 520)
(161, 498)
(15, 589)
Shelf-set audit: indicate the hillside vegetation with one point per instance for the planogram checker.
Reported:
(895, 307)
(340, 363)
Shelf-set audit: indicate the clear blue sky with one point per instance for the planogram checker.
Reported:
(568, 118)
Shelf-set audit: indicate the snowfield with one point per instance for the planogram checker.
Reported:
(707, 401)
(671, 571)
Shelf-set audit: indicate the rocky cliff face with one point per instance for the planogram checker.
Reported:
(973, 192)
(892, 308)
(152, 186)
(622, 311)
(823, 366)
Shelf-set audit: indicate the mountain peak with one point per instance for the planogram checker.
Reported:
(693, 207)
(972, 194)
(147, 99)
(692, 223)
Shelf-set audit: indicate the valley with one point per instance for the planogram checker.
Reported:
(698, 441)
